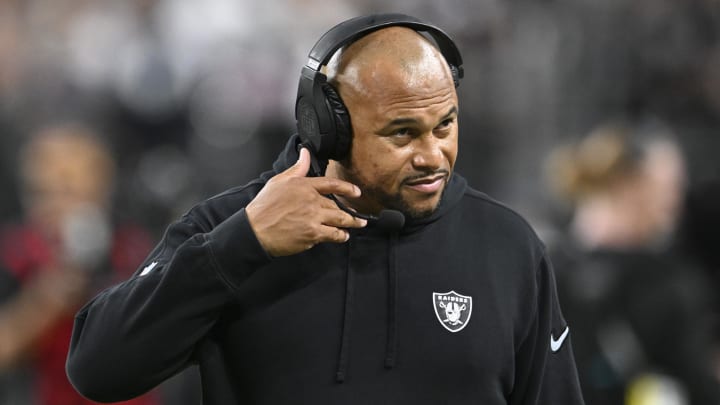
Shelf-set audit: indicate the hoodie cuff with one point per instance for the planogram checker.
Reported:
(235, 249)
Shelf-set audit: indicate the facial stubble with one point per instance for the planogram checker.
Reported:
(394, 201)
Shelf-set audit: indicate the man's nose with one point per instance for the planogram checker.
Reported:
(428, 153)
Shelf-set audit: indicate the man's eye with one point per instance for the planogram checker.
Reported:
(402, 132)
(446, 123)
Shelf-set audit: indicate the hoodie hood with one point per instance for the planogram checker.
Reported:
(453, 191)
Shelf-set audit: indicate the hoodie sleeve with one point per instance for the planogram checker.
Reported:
(545, 369)
(133, 336)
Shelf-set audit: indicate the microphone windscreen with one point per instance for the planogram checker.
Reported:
(390, 220)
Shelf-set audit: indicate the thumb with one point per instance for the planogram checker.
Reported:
(301, 167)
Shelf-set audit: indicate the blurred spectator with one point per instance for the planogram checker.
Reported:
(639, 312)
(63, 249)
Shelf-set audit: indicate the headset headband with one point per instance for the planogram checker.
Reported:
(350, 30)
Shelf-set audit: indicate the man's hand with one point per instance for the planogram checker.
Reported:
(291, 213)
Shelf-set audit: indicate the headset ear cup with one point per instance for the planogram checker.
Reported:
(307, 122)
(343, 126)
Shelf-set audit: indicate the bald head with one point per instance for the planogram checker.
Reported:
(396, 56)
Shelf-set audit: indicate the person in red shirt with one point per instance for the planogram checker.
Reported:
(63, 249)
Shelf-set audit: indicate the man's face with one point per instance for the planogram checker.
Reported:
(404, 144)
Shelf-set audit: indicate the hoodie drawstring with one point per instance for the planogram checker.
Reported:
(392, 309)
(392, 312)
(347, 319)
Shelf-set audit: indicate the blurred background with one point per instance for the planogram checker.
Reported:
(173, 101)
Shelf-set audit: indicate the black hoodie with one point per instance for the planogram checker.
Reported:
(457, 308)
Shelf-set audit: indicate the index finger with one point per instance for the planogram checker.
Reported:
(331, 185)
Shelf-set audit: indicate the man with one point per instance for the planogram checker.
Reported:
(282, 297)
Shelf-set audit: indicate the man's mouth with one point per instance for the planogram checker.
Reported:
(427, 185)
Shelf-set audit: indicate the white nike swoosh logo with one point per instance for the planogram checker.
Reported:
(555, 344)
(148, 268)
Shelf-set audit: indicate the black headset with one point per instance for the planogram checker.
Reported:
(323, 121)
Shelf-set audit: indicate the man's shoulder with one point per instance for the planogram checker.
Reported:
(212, 211)
(480, 209)
(485, 200)
(484, 203)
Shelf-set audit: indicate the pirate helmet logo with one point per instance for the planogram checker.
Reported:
(452, 310)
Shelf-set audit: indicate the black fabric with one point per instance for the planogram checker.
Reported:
(346, 322)
(286, 330)
(392, 309)
(636, 313)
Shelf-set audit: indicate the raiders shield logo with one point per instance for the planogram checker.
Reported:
(452, 310)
